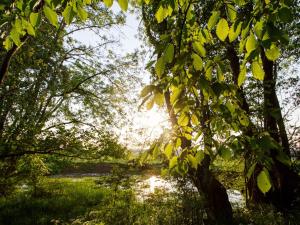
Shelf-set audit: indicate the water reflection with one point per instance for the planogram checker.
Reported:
(146, 187)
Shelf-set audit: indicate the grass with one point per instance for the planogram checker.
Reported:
(58, 199)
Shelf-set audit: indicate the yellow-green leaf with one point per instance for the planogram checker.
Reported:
(231, 11)
(8, 43)
(83, 15)
(263, 181)
(193, 161)
(123, 4)
(108, 3)
(208, 73)
(273, 53)
(242, 76)
(68, 14)
(168, 150)
(169, 53)
(259, 28)
(150, 104)
(178, 143)
(51, 16)
(34, 18)
(220, 74)
(146, 90)
(160, 66)
(173, 162)
(234, 31)
(251, 43)
(160, 14)
(159, 99)
(183, 119)
(15, 36)
(197, 62)
(222, 29)
(213, 19)
(175, 94)
(198, 47)
(194, 119)
(244, 120)
(257, 70)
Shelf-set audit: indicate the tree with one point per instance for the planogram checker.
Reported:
(21, 19)
(62, 98)
(202, 64)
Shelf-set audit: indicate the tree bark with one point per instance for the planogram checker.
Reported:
(218, 208)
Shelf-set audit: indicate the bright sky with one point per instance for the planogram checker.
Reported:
(148, 124)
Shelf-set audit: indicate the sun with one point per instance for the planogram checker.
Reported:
(147, 126)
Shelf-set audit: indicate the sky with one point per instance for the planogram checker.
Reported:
(154, 121)
(148, 124)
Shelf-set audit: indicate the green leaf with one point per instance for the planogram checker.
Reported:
(28, 27)
(68, 14)
(160, 67)
(183, 120)
(257, 70)
(251, 170)
(283, 158)
(242, 76)
(178, 143)
(251, 43)
(208, 73)
(194, 120)
(168, 150)
(285, 14)
(146, 90)
(175, 94)
(231, 11)
(198, 47)
(108, 3)
(8, 43)
(263, 181)
(197, 62)
(51, 16)
(193, 161)
(159, 99)
(123, 4)
(169, 53)
(15, 36)
(83, 15)
(150, 104)
(213, 19)
(220, 74)
(273, 53)
(34, 19)
(160, 14)
(173, 162)
(188, 136)
(231, 107)
(259, 28)
(199, 156)
(222, 29)
(244, 120)
(225, 153)
(18, 26)
(234, 31)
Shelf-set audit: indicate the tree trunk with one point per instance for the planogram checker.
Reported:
(285, 180)
(217, 205)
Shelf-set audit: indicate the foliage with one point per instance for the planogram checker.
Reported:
(63, 98)
(212, 59)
